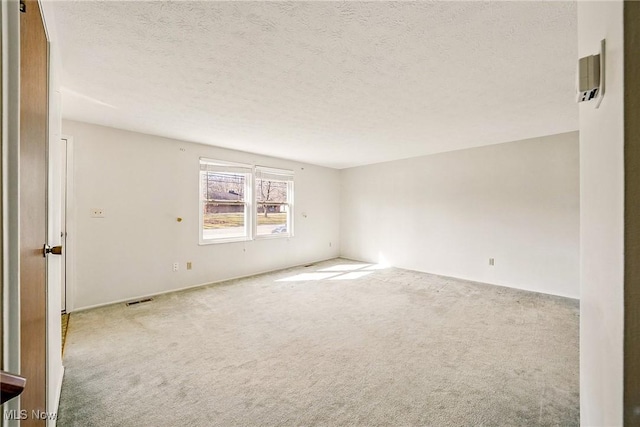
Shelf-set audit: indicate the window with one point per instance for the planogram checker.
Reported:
(274, 202)
(239, 202)
(225, 195)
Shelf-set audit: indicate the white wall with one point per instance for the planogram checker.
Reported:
(449, 213)
(601, 223)
(144, 183)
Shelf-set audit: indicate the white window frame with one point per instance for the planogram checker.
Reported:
(260, 172)
(227, 167)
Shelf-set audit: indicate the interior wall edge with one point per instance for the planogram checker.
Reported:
(632, 214)
(602, 227)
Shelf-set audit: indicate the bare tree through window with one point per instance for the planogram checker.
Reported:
(272, 204)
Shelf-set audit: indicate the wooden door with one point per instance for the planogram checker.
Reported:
(33, 215)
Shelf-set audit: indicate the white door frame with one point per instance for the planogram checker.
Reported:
(10, 178)
(69, 227)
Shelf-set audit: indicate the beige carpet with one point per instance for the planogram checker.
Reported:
(331, 344)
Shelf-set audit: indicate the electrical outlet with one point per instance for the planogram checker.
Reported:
(492, 261)
(189, 265)
(176, 266)
(97, 213)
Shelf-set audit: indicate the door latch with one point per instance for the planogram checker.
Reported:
(55, 250)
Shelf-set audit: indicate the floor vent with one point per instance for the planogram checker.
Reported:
(140, 301)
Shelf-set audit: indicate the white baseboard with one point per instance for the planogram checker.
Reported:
(194, 286)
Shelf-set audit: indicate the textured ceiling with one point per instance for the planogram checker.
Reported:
(331, 83)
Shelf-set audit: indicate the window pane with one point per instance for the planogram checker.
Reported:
(272, 219)
(223, 186)
(271, 191)
(223, 221)
(223, 207)
(271, 207)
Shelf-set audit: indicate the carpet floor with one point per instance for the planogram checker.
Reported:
(336, 343)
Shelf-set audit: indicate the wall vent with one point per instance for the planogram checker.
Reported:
(140, 301)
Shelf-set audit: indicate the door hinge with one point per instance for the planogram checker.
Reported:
(23, 6)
